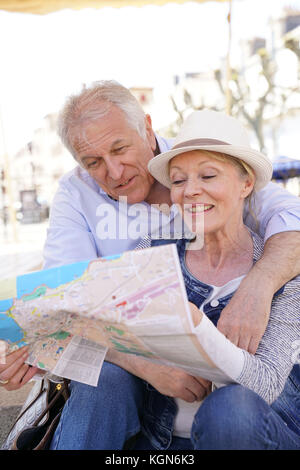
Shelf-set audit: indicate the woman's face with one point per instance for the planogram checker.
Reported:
(210, 192)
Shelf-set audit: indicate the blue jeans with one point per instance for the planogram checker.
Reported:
(234, 418)
(105, 417)
(101, 417)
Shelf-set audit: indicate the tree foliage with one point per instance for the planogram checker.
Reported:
(264, 99)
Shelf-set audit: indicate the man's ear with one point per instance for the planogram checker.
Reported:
(150, 132)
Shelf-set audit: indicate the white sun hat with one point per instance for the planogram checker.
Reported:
(218, 132)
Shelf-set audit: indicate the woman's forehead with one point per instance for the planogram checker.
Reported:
(198, 158)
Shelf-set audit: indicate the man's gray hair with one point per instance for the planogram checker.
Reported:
(94, 102)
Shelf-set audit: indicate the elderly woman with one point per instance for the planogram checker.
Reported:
(211, 172)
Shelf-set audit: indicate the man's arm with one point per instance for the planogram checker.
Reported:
(69, 238)
(245, 318)
(272, 210)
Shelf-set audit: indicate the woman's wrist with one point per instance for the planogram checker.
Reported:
(132, 364)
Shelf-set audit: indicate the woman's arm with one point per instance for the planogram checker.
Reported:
(265, 372)
(167, 380)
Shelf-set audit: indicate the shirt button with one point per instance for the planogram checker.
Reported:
(214, 303)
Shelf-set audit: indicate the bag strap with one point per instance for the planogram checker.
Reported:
(61, 390)
(64, 391)
(27, 407)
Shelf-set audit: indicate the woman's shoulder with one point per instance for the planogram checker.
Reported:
(258, 249)
(258, 245)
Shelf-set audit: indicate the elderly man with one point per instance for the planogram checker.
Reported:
(112, 141)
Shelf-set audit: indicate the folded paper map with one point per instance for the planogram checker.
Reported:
(135, 303)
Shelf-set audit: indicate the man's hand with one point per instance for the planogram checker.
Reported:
(244, 320)
(14, 373)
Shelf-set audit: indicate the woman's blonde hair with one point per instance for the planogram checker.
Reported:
(243, 166)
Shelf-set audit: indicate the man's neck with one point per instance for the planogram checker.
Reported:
(157, 149)
(159, 194)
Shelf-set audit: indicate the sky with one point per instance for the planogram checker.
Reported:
(45, 58)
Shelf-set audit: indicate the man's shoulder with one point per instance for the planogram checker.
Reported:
(77, 179)
(164, 143)
(67, 177)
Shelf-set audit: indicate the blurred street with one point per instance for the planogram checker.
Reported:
(10, 405)
(24, 254)
(18, 257)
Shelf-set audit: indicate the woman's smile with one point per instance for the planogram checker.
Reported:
(197, 208)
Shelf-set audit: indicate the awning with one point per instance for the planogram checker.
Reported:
(285, 168)
(42, 7)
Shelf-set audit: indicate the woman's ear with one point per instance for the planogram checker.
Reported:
(248, 186)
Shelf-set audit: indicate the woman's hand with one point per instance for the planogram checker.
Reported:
(178, 384)
(167, 380)
(196, 314)
(14, 373)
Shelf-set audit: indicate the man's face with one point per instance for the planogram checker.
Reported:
(116, 156)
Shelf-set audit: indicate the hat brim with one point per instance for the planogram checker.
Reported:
(261, 165)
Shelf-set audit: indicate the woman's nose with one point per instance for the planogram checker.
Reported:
(193, 188)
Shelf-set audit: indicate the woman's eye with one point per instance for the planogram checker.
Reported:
(207, 177)
(120, 149)
(177, 182)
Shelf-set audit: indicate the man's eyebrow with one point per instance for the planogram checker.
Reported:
(117, 142)
(90, 156)
(114, 144)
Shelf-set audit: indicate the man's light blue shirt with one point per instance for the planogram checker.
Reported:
(85, 223)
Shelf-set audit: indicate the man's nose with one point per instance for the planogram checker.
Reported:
(114, 168)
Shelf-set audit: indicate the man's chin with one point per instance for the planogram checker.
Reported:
(132, 198)
(129, 199)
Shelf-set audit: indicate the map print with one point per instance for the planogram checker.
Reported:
(128, 302)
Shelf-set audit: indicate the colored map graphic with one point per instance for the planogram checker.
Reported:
(124, 302)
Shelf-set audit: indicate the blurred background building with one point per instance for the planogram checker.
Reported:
(264, 92)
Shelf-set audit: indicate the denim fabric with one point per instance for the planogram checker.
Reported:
(236, 418)
(197, 292)
(287, 405)
(233, 418)
(102, 417)
(158, 418)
